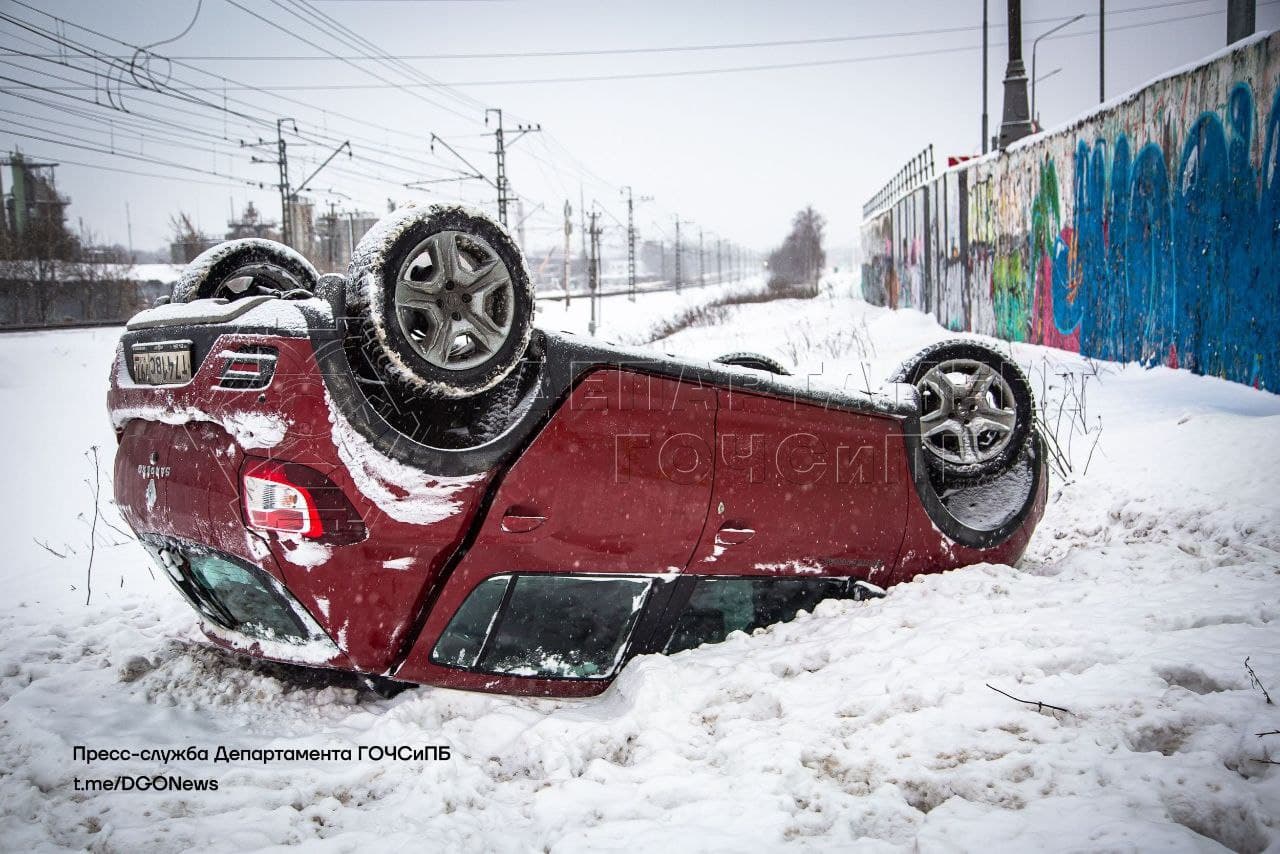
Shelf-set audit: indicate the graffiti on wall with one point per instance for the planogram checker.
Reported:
(1147, 232)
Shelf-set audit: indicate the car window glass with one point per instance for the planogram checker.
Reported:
(255, 609)
(564, 626)
(720, 606)
(462, 641)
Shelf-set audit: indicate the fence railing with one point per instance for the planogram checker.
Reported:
(917, 171)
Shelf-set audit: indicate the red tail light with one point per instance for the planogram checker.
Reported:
(296, 499)
(274, 503)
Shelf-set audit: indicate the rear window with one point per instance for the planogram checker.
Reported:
(549, 626)
(721, 606)
(253, 608)
(232, 594)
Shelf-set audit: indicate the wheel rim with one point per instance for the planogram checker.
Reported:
(255, 279)
(968, 411)
(454, 300)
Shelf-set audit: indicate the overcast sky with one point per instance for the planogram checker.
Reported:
(736, 152)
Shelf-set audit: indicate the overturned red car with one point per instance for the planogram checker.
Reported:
(392, 472)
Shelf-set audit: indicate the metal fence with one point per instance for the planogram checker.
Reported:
(917, 171)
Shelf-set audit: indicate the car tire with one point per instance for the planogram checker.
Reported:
(976, 409)
(444, 294)
(755, 361)
(242, 268)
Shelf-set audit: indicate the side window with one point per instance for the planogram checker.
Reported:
(556, 626)
(720, 606)
(462, 641)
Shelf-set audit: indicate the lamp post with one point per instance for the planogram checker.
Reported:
(985, 138)
(1035, 44)
(1035, 117)
(1017, 117)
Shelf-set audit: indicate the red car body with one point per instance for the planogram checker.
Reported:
(613, 464)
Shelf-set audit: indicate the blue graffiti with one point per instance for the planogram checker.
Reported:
(1179, 267)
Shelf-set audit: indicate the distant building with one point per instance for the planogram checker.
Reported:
(337, 233)
(33, 198)
(301, 226)
(185, 251)
(251, 224)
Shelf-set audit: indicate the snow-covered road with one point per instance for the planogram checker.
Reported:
(865, 725)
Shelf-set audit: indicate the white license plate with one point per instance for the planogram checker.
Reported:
(170, 366)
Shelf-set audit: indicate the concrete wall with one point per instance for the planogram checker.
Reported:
(1148, 230)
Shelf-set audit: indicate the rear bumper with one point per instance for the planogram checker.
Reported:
(178, 467)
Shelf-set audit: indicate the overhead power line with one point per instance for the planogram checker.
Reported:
(701, 72)
(693, 48)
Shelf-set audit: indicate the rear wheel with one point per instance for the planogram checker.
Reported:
(243, 268)
(976, 409)
(446, 294)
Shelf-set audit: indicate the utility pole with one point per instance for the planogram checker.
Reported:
(631, 245)
(985, 137)
(631, 242)
(702, 261)
(593, 271)
(1102, 51)
(500, 152)
(568, 230)
(677, 254)
(582, 221)
(288, 194)
(128, 224)
(282, 159)
(1017, 116)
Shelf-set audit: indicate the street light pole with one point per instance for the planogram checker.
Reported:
(1035, 44)
(985, 139)
(1017, 115)
(1102, 51)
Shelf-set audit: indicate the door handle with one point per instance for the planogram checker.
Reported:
(731, 535)
(518, 522)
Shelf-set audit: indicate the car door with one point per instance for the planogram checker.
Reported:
(618, 483)
(619, 480)
(802, 488)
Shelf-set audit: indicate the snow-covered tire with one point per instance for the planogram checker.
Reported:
(976, 409)
(242, 268)
(447, 296)
(755, 361)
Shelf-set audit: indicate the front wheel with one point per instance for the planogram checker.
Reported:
(251, 266)
(976, 409)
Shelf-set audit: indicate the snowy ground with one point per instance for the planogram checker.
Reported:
(865, 725)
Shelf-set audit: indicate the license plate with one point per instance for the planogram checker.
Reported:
(169, 364)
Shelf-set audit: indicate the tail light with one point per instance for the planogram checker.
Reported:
(295, 499)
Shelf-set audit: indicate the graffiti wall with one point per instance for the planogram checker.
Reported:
(1148, 231)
